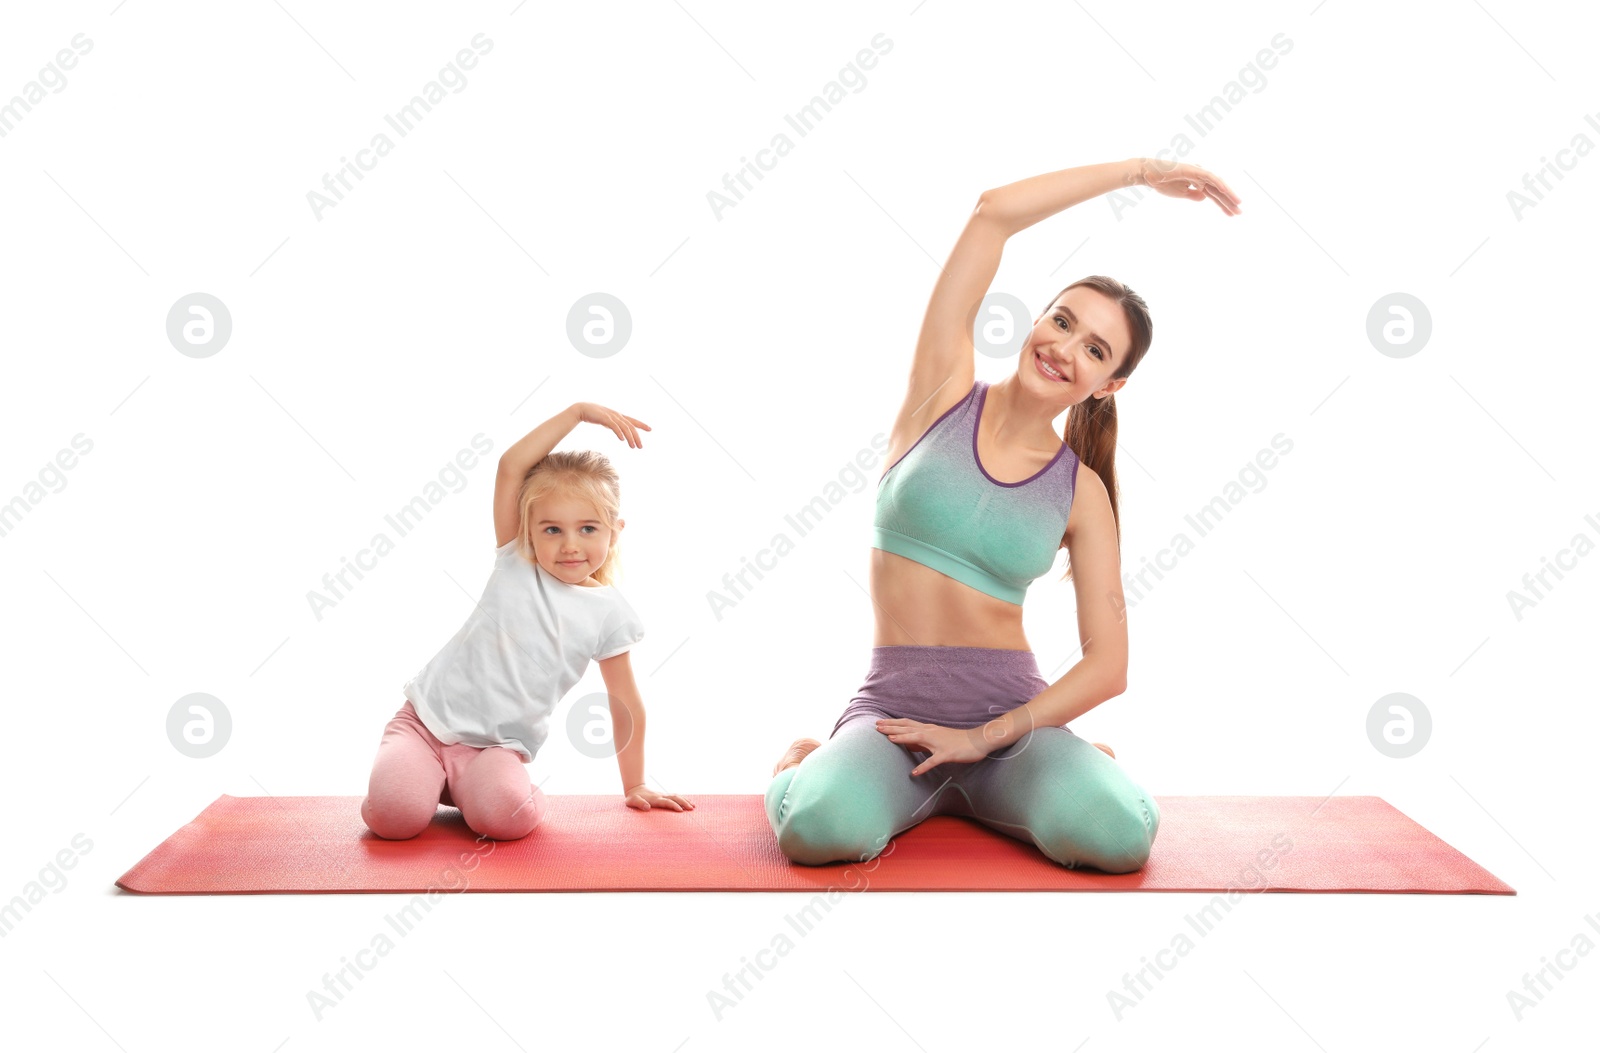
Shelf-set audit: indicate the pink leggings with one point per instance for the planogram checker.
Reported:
(414, 773)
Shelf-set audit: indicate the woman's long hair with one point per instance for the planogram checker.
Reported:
(1091, 428)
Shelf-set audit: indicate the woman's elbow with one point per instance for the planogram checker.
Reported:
(990, 210)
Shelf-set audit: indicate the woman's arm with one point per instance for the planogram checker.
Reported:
(1102, 672)
(1017, 206)
(942, 368)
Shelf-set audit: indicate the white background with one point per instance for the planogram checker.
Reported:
(769, 345)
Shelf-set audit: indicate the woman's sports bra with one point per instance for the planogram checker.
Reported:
(938, 506)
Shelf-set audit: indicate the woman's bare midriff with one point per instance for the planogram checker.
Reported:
(916, 605)
(913, 604)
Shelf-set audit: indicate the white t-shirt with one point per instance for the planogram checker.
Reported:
(523, 647)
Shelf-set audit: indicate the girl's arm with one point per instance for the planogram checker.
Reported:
(627, 718)
(537, 444)
(514, 465)
(627, 734)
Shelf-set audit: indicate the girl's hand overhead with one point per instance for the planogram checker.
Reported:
(626, 427)
(1175, 179)
(643, 798)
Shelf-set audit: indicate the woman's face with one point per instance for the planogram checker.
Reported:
(1084, 336)
(570, 539)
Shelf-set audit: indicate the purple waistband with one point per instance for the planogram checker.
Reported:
(919, 657)
(957, 687)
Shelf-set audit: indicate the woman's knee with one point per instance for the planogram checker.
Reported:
(817, 835)
(828, 822)
(1114, 835)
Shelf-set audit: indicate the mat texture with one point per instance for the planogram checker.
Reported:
(598, 844)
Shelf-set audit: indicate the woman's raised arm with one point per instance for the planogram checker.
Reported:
(1018, 206)
(942, 367)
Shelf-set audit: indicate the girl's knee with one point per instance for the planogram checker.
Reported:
(396, 820)
(508, 814)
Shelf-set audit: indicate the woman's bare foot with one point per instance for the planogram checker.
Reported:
(1107, 749)
(795, 754)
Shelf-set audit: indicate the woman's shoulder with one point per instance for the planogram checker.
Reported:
(1084, 478)
(1091, 501)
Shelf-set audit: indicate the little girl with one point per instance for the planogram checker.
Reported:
(477, 713)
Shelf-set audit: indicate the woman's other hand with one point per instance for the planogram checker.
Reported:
(963, 745)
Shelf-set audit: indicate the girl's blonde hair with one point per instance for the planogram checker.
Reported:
(580, 474)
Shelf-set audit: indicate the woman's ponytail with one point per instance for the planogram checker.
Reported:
(1091, 429)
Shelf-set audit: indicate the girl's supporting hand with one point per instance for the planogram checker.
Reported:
(643, 798)
(626, 427)
(1175, 179)
(946, 744)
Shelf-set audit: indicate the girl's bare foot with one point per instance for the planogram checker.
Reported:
(795, 754)
(1107, 749)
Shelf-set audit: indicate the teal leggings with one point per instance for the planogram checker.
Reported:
(1051, 788)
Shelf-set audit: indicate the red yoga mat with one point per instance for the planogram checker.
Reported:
(598, 844)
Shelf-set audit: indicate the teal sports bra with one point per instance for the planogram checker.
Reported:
(938, 506)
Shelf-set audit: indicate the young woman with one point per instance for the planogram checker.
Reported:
(978, 494)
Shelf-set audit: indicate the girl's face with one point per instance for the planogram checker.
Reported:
(569, 537)
(1084, 336)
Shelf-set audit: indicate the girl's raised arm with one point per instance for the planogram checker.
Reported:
(536, 446)
(514, 464)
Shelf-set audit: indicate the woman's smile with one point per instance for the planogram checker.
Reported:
(1045, 366)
